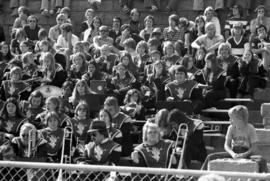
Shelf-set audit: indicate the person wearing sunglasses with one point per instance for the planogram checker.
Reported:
(32, 28)
(102, 150)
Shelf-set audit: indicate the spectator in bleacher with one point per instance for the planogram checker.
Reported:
(210, 41)
(240, 140)
(116, 28)
(120, 121)
(198, 29)
(141, 58)
(15, 4)
(32, 28)
(130, 47)
(134, 22)
(126, 5)
(170, 57)
(195, 147)
(209, 17)
(66, 11)
(89, 15)
(20, 21)
(261, 19)
(55, 30)
(5, 53)
(260, 41)
(11, 118)
(149, 22)
(199, 60)
(79, 66)
(157, 80)
(93, 31)
(127, 61)
(43, 36)
(237, 16)
(172, 33)
(188, 63)
(133, 105)
(212, 79)
(103, 38)
(253, 74)
(67, 40)
(125, 34)
(238, 41)
(230, 65)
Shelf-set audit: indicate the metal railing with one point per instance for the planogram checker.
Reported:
(10, 170)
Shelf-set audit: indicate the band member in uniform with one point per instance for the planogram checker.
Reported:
(80, 123)
(120, 121)
(102, 151)
(154, 151)
(114, 133)
(11, 118)
(53, 134)
(182, 89)
(14, 86)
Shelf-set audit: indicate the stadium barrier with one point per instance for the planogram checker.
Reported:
(10, 170)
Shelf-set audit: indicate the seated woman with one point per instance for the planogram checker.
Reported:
(230, 65)
(11, 118)
(212, 78)
(51, 72)
(253, 74)
(195, 147)
(240, 139)
(54, 135)
(157, 80)
(93, 73)
(79, 66)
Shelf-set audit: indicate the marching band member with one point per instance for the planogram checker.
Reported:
(195, 147)
(11, 118)
(14, 86)
(120, 121)
(53, 134)
(153, 152)
(102, 151)
(114, 133)
(80, 123)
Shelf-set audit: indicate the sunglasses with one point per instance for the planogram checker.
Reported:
(94, 134)
(32, 21)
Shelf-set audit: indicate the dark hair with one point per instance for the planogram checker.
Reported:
(111, 101)
(177, 116)
(42, 33)
(119, 19)
(4, 113)
(261, 26)
(175, 18)
(36, 94)
(66, 27)
(8, 56)
(107, 112)
(93, 20)
(149, 17)
(33, 17)
(85, 106)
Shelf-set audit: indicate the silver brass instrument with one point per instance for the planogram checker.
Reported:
(32, 146)
(65, 156)
(181, 134)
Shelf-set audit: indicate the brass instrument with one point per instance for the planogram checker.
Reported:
(65, 156)
(32, 146)
(182, 133)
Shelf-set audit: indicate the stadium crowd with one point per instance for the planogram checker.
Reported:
(53, 80)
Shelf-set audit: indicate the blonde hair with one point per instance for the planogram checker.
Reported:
(147, 126)
(239, 112)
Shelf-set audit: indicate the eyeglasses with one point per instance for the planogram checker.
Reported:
(94, 134)
(260, 11)
(32, 21)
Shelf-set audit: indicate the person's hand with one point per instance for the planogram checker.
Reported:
(170, 99)
(135, 157)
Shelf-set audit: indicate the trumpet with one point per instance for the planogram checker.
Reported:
(32, 146)
(65, 156)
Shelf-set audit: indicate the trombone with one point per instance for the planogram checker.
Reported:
(32, 146)
(65, 156)
(182, 133)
